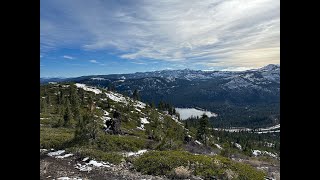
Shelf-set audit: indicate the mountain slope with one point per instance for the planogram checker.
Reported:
(74, 120)
(247, 98)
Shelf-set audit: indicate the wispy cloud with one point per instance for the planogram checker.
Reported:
(141, 63)
(93, 61)
(68, 57)
(224, 33)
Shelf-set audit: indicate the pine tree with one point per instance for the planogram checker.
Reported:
(153, 105)
(87, 128)
(202, 130)
(136, 95)
(81, 95)
(43, 105)
(161, 106)
(111, 87)
(186, 125)
(67, 117)
(75, 104)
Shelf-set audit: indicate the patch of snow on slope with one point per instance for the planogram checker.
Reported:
(85, 159)
(67, 178)
(105, 113)
(87, 88)
(269, 144)
(218, 146)
(43, 150)
(99, 79)
(98, 164)
(92, 164)
(259, 153)
(144, 121)
(56, 153)
(116, 97)
(64, 156)
(128, 154)
(140, 104)
(83, 167)
(270, 128)
(237, 145)
(263, 132)
(196, 141)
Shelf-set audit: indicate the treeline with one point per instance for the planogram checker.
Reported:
(70, 107)
(203, 128)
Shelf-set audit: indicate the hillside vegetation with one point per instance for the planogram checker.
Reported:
(105, 125)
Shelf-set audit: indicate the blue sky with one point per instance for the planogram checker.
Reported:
(81, 37)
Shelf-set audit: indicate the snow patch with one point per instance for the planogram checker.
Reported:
(196, 141)
(85, 159)
(87, 88)
(218, 146)
(140, 104)
(92, 164)
(128, 154)
(43, 150)
(237, 145)
(64, 156)
(259, 153)
(98, 79)
(144, 121)
(116, 97)
(56, 153)
(67, 178)
(98, 164)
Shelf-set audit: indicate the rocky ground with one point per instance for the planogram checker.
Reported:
(60, 166)
(52, 167)
(272, 168)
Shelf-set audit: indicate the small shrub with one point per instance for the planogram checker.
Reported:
(181, 172)
(170, 163)
(96, 154)
(55, 137)
(120, 143)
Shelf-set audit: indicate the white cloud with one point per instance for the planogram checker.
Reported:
(93, 61)
(233, 33)
(68, 57)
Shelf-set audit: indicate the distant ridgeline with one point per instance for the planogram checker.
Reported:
(247, 98)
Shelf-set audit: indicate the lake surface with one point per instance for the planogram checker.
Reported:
(186, 113)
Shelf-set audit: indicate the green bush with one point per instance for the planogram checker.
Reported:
(120, 143)
(96, 154)
(55, 137)
(164, 163)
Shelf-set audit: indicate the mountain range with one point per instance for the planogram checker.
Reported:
(240, 98)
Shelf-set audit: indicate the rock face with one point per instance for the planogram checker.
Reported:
(114, 125)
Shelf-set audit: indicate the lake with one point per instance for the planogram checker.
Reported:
(186, 113)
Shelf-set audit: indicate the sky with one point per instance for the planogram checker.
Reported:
(82, 37)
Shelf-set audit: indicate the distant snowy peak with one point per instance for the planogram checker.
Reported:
(98, 79)
(270, 67)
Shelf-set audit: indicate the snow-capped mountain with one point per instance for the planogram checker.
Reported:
(233, 95)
